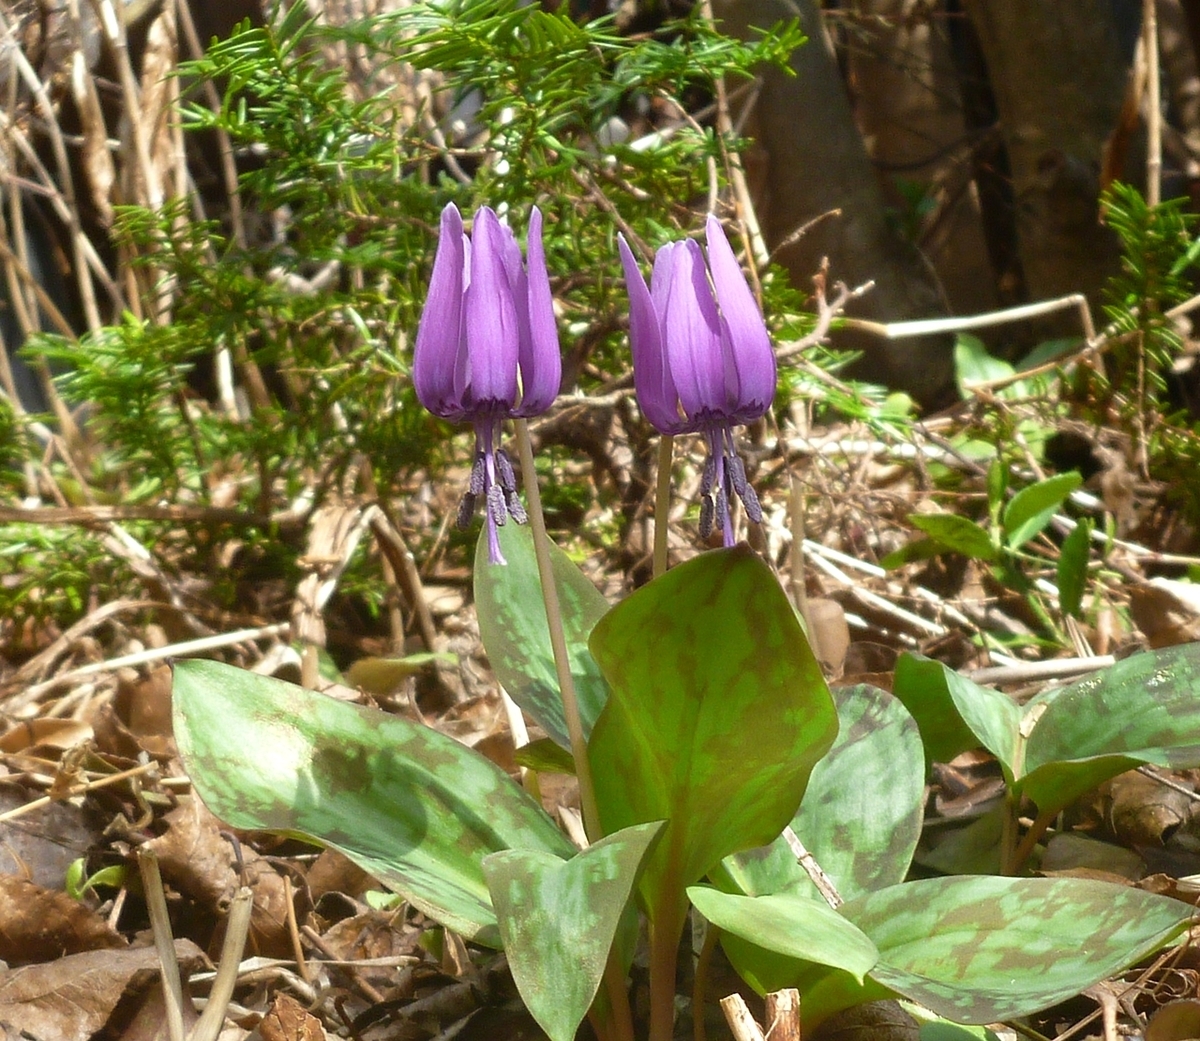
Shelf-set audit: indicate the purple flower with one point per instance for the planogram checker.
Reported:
(487, 349)
(702, 360)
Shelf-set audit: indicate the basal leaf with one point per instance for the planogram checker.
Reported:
(558, 920)
(1030, 510)
(717, 714)
(956, 715)
(1145, 709)
(956, 534)
(797, 927)
(984, 949)
(416, 809)
(973, 363)
(512, 625)
(861, 815)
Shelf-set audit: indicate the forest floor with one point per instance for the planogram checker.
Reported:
(91, 776)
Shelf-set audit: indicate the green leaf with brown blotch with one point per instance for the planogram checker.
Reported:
(1142, 710)
(416, 809)
(984, 949)
(512, 626)
(978, 949)
(558, 920)
(862, 812)
(718, 713)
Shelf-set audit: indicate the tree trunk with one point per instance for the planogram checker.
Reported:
(814, 161)
(1058, 74)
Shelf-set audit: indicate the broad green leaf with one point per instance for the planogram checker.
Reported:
(1030, 510)
(545, 756)
(1073, 568)
(956, 715)
(973, 364)
(862, 813)
(512, 625)
(797, 927)
(922, 549)
(984, 949)
(413, 807)
(558, 919)
(717, 714)
(1145, 709)
(956, 534)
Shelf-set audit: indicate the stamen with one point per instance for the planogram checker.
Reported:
(516, 509)
(497, 510)
(478, 476)
(466, 511)
(706, 516)
(504, 471)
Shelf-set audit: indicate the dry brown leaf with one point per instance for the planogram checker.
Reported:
(333, 872)
(194, 857)
(39, 924)
(288, 1020)
(74, 996)
(43, 735)
(39, 845)
(1175, 1021)
(1162, 615)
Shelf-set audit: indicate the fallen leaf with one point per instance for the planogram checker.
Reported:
(74, 996)
(39, 924)
(287, 1020)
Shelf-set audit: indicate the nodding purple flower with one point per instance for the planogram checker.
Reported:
(487, 349)
(702, 360)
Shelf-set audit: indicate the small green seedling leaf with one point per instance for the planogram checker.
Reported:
(922, 549)
(956, 534)
(717, 715)
(558, 920)
(955, 714)
(512, 625)
(411, 806)
(797, 927)
(1073, 568)
(77, 886)
(1030, 510)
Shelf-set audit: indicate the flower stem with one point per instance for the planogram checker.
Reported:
(662, 503)
(558, 641)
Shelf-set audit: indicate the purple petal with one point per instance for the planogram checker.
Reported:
(439, 335)
(541, 362)
(692, 331)
(742, 328)
(651, 377)
(492, 331)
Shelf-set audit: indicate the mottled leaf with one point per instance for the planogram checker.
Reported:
(558, 919)
(956, 715)
(983, 949)
(512, 625)
(717, 714)
(797, 927)
(862, 813)
(1145, 709)
(414, 808)
(956, 534)
(1030, 510)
